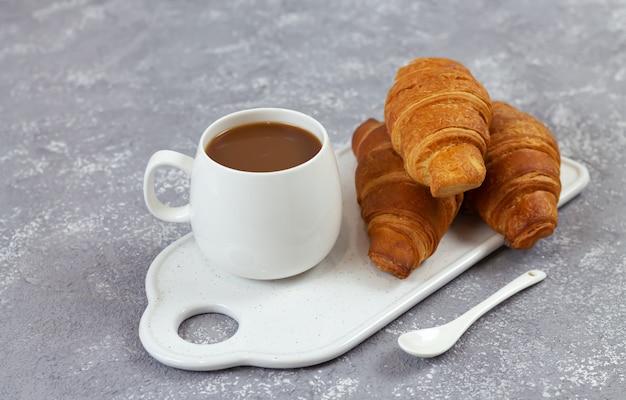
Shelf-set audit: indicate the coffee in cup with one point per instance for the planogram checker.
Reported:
(263, 147)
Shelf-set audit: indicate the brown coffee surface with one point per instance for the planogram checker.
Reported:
(263, 147)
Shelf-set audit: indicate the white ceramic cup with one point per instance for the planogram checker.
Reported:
(259, 225)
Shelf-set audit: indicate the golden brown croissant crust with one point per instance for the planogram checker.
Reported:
(520, 194)
(438, 118)
(443, 140)
(404, 222)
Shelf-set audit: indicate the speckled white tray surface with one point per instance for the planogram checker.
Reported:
(315, 316)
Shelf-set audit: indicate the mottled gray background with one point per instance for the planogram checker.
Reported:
(89, 89)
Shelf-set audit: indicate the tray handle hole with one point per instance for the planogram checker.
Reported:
(208, 328)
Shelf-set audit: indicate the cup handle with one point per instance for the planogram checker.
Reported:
(165, 158)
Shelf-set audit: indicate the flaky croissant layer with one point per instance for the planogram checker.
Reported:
(520, 194)
(438, 118)
(405, 223)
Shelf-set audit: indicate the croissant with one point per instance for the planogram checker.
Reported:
(438, 117)
(520, 194)
(404, 222)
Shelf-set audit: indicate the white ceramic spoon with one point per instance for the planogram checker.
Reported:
(434, 341)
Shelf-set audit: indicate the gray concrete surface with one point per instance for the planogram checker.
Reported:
(90, 89)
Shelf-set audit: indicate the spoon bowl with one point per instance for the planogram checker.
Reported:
(431, 342)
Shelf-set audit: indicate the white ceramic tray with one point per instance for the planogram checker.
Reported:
(317, 315)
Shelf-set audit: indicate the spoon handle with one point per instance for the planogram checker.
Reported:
(521, 282)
